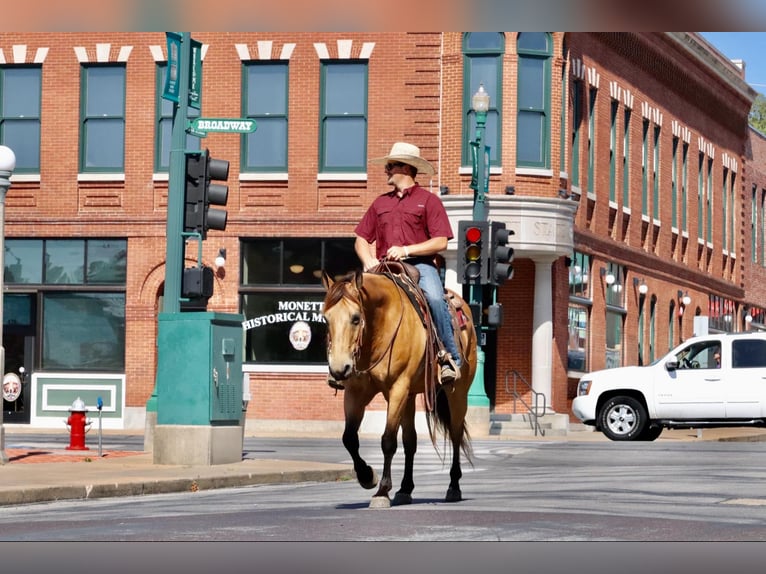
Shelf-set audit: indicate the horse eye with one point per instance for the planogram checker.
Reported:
(356, 319)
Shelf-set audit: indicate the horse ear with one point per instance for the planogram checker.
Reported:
(327, 281)
(358, 280)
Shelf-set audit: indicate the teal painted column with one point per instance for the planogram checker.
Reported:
(477, 396)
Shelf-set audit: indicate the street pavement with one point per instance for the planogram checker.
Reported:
(44, 474)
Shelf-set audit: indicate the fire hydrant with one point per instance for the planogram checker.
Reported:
(77, 425)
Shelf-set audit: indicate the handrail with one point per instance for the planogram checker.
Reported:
(535, 411)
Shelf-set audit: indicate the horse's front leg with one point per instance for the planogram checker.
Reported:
(410, 443)
(354, 403)
(397, 401)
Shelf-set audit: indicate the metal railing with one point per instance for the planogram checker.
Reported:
(538, 407)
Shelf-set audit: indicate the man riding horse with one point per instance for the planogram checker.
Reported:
(410, 224)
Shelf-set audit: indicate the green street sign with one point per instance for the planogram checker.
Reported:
(228, 125)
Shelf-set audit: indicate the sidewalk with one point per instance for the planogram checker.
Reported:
(45, 474)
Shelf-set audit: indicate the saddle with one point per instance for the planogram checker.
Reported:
(406, 276)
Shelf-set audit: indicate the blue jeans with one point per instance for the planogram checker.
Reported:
(431, 284)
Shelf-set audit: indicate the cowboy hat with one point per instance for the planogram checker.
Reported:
(409, 154)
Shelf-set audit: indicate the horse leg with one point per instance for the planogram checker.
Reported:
(410, 443)
(396, 403)
(354, 406)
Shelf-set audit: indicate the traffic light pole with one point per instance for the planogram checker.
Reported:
(171, 302)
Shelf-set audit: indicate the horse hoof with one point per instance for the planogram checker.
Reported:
(370, 484)
(402, 498)
(453, 495)
(380, 502)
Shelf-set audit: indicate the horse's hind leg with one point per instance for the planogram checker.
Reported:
(354, 408)
(410, 443)
(458, 407)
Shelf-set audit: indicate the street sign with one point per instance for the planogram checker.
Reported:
(227, 125)
(171, 88)
(195, 75)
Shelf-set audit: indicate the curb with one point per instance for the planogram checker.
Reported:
(166, 486)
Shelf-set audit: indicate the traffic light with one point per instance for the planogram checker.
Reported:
(473, 240)
(200, 193)
(500, 254)
(196, 287)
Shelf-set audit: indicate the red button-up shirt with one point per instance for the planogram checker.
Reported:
(417, 216)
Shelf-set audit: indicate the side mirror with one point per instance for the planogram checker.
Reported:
(671, 365)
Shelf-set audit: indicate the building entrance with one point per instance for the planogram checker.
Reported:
(19, 343)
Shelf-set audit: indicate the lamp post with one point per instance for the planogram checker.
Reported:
(477, 395)
(480, 106)
(7, 165)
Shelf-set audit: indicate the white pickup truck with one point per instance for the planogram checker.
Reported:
(707, 381)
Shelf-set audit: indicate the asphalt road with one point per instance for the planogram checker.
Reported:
(515, 491)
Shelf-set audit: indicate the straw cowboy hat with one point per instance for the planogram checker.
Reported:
(409, 154)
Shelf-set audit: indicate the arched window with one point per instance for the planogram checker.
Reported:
(533, 132)
(483, 64)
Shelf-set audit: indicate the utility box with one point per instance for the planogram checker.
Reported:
(199, 388)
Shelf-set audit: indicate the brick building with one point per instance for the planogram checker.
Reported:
(620, 160)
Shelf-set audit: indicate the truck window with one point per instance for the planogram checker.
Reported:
(699, 355)
(748, 353)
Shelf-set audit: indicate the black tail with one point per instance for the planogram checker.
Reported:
(440, 419)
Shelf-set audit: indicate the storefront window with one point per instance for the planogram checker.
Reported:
(579, 309)
(84, 331)
(282, 296)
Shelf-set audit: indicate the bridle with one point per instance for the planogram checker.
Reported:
(357, 351)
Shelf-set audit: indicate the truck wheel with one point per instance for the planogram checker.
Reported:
(622, 418)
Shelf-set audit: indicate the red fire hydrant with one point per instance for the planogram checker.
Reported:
(76, 424)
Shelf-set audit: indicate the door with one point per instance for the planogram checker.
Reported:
(19, 343)
(695, 390)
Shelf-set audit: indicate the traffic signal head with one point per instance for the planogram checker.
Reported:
(473, 240)
(501, 254)
(200, 193)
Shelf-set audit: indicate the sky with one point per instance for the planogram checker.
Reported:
(747, 46)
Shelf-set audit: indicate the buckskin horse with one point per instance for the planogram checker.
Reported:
(378, 342)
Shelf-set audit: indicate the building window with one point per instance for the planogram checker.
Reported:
(641, 327)
(684, 188)
(656, 174)
(579, 310)
(645, 169)
(592, 140)
(483, 64)
(674, 185)
(671, 324)
(80, 286)
(709, 201)
(725, 210)
(700, 197)
(102, 119)
(613, 151)
(615, 315)
(281, 296)
(163, 133)
(732, 210)
(533, 138)
(754, 233)
(626, 159)
(577, 115)
(265, 101)
(20, 97)
(343, 117)
(652, 328)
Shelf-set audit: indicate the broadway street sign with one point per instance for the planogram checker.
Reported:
(228, 125)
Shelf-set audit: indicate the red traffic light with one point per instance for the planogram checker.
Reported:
(473, 235)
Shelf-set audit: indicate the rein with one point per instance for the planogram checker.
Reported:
(358, 345)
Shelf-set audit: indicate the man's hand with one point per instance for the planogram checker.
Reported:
(397, 253)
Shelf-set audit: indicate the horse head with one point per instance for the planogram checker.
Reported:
(344, 315)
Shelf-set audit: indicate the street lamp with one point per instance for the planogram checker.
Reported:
(477, 395)
(480, 106)
(7, 165)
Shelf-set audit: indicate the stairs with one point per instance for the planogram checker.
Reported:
(522, 425)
